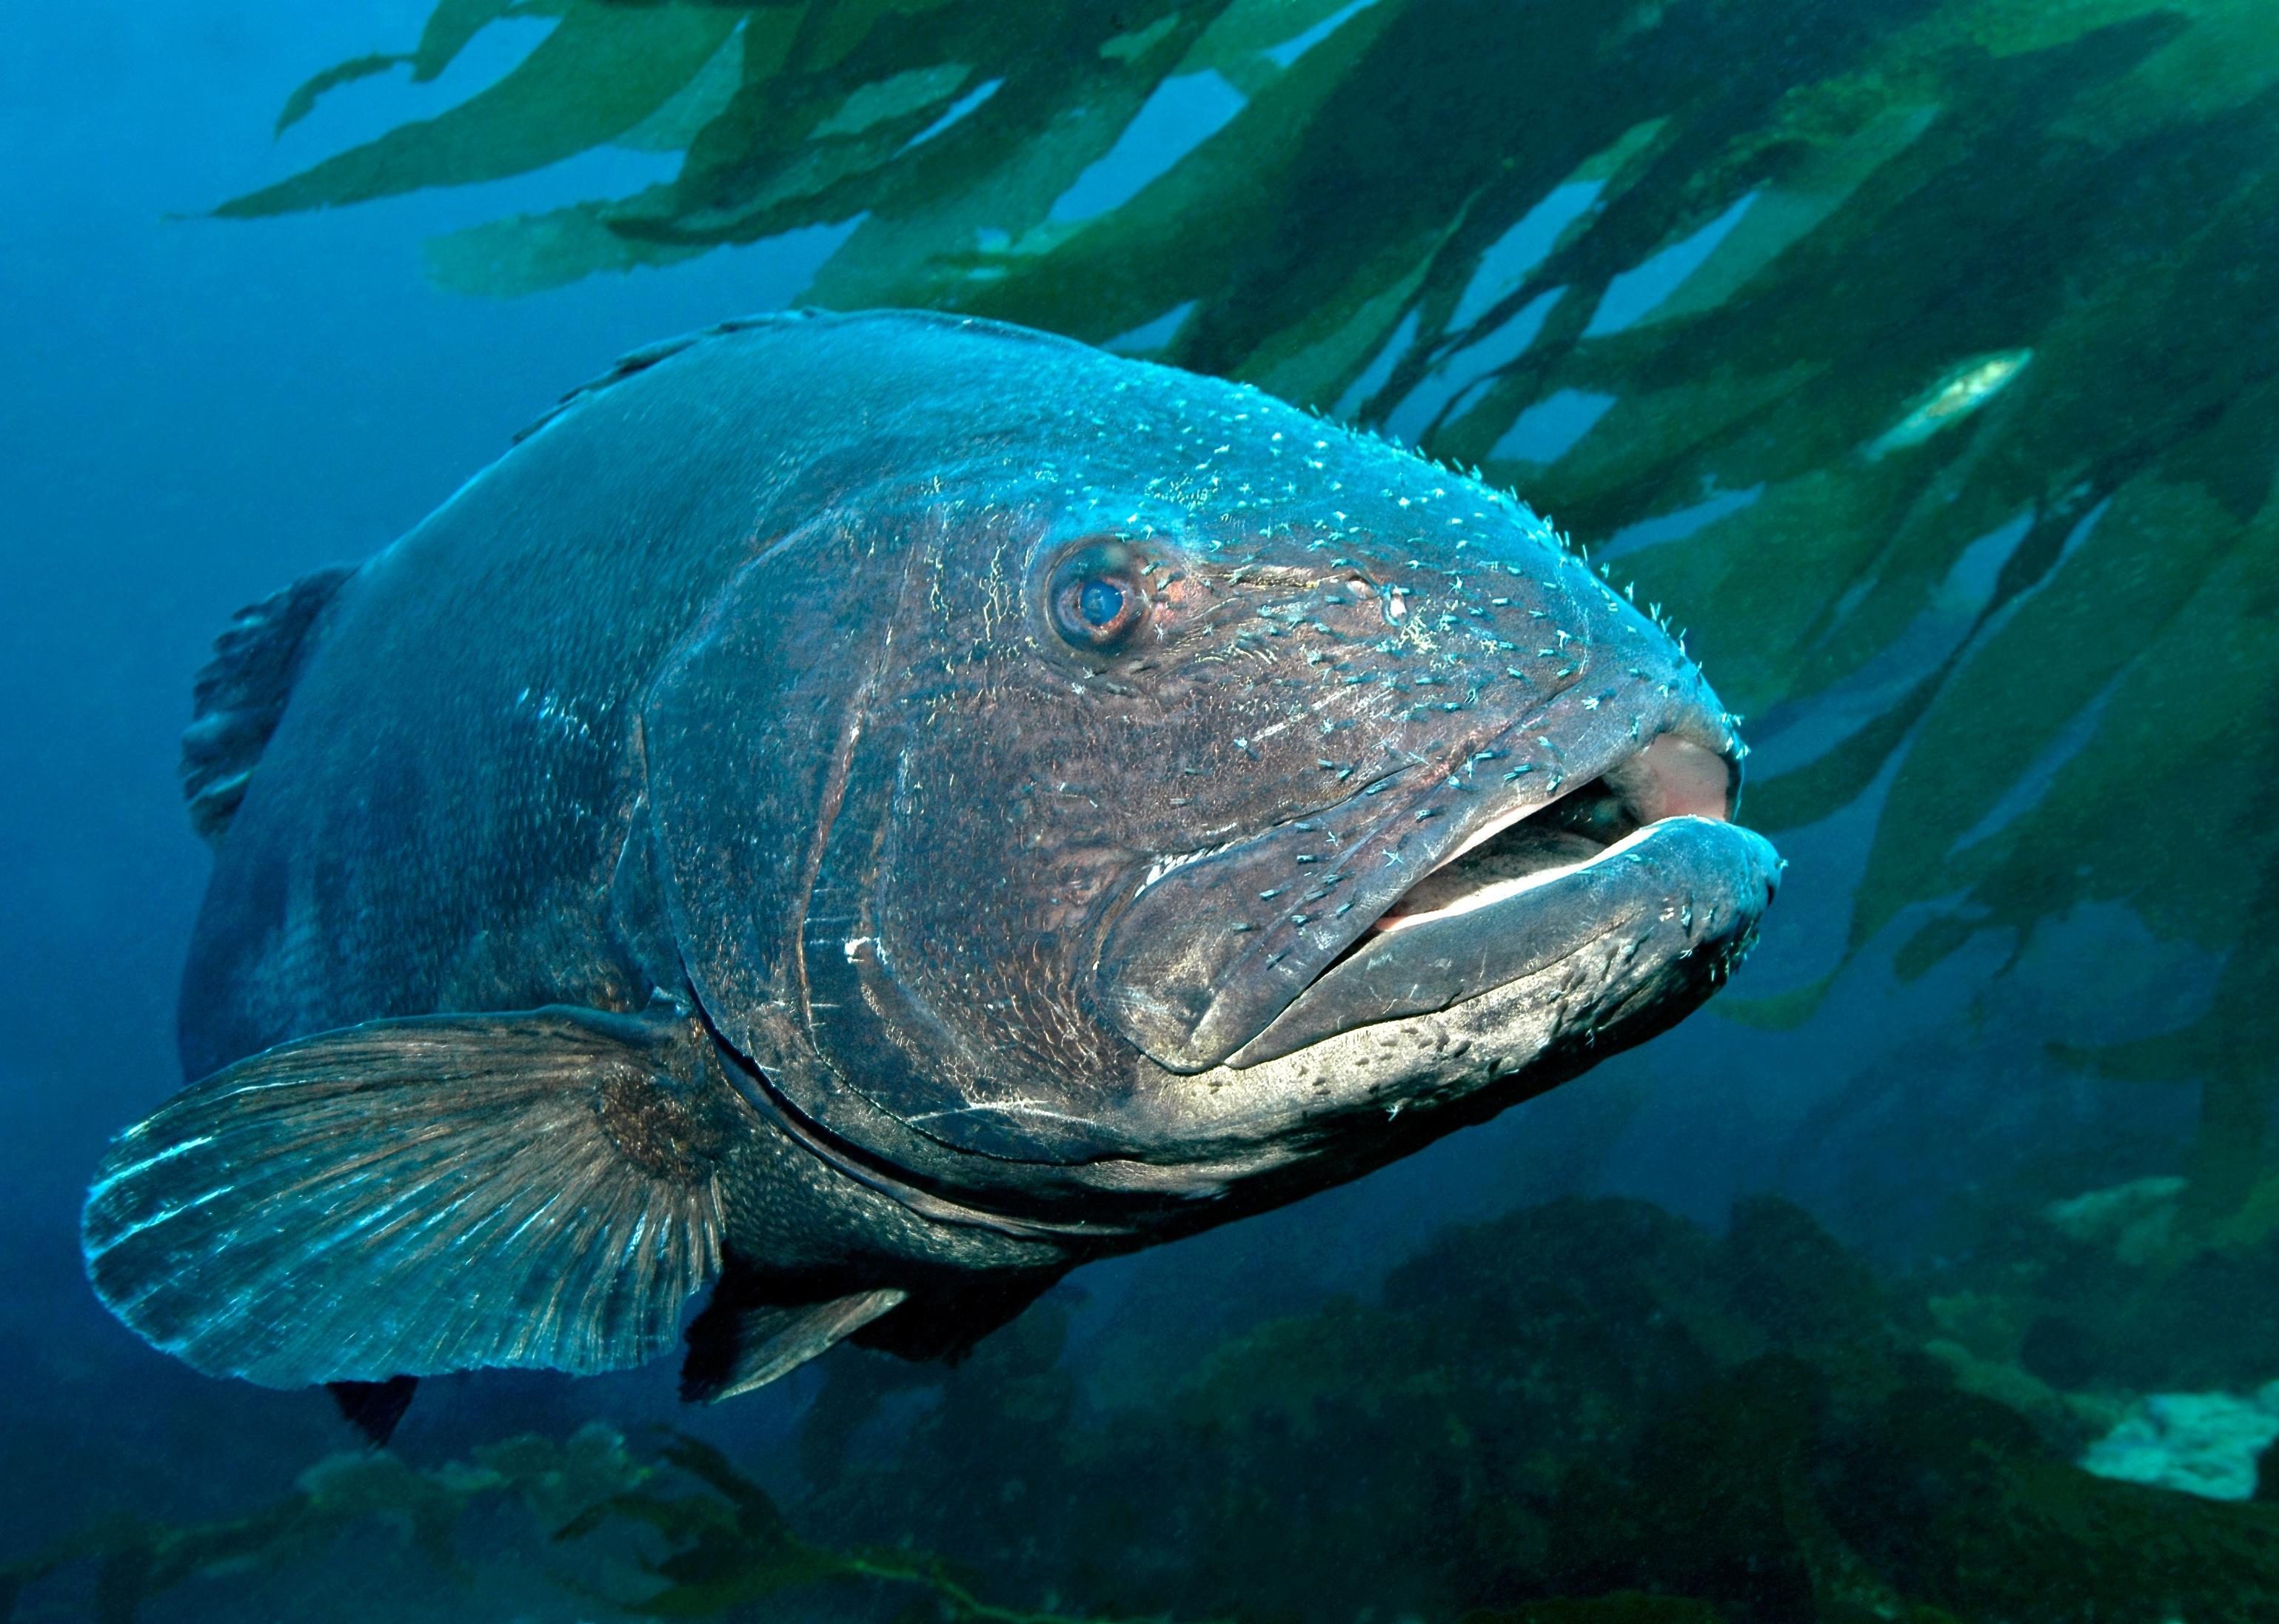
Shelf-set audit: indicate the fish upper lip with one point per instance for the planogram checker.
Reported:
(1565, 750)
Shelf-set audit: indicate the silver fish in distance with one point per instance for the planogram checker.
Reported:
(858, 815)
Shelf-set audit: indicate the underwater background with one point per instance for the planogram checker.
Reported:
(1921, 357)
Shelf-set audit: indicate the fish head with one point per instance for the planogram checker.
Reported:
(1244, 801)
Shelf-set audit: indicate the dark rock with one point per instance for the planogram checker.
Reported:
(2061, 1351)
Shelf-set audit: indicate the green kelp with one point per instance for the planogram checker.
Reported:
(1918, 351)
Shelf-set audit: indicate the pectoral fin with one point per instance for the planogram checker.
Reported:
(414, 1196)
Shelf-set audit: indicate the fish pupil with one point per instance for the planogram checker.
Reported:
(1101, 602)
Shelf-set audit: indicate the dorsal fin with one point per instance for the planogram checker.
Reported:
(648, 356)
(241, 693)
(639, 361)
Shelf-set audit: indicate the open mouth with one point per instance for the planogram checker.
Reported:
(1642, 855)
(1671, 778)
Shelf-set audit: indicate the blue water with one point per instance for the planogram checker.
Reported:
(198, 412)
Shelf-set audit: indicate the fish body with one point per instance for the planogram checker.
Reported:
(856, 815)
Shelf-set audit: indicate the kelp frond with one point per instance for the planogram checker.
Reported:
(1921, 350)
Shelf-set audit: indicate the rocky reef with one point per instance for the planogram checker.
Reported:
(1589, 1401)
(1591, 1412)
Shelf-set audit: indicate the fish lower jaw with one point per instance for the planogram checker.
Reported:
(1354, 1096)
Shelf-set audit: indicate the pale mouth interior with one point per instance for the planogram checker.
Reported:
(1671, 778)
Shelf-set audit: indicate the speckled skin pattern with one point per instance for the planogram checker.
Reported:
(731, 692)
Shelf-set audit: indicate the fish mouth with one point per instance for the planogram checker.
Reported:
(1571, 829)
(1527, 848)
(1645, 853)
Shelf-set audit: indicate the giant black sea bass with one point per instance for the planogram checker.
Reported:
(858, 815)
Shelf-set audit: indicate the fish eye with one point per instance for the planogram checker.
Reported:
(1097, 598)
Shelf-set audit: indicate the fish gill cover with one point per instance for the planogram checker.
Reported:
(1921, 349)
